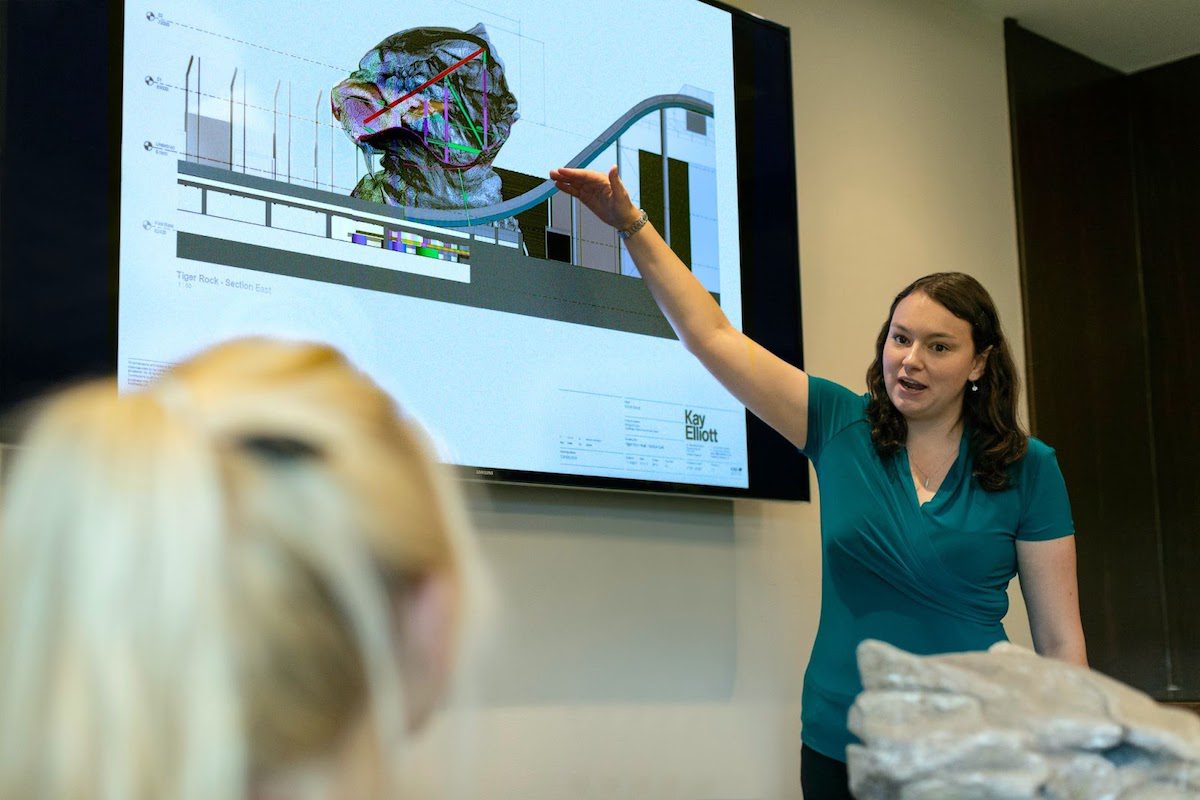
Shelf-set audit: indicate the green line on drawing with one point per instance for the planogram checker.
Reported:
(453, 146)
(466, 202)
(467, 114)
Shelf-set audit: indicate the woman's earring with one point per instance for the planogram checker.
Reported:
(974, 386)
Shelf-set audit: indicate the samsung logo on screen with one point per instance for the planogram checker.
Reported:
(485, 473)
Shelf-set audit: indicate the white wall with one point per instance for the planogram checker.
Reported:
(655, 647)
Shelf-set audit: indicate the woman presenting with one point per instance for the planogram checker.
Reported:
(932, 497)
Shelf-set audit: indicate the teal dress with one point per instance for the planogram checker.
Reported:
(929, 578)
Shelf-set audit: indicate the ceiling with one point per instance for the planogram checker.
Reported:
(1128, 35)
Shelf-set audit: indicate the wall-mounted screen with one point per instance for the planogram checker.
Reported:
(375, 177)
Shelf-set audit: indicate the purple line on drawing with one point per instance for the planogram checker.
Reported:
(485, 103)
(446, 110)
(425, 124)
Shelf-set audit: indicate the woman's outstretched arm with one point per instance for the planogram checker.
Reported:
(771, 388)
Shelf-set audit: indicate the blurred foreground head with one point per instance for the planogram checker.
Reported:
(246, 580)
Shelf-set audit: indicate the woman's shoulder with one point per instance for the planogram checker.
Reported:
(832, 409)
(1039, 459)
(1038, 451)
(824, 388)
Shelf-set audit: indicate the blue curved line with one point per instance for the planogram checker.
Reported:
(529, 199)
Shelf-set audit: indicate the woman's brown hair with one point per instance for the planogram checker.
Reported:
(989, 414)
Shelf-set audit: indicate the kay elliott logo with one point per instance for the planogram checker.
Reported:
(694, 430)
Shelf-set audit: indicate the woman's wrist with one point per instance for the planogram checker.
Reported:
(633, 225)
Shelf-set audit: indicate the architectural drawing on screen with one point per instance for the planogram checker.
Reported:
(411, 163)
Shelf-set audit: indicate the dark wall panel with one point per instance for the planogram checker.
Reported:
(533, 221)
(59, 294)
(681, 209)
(1086, 339)
(1166, 114)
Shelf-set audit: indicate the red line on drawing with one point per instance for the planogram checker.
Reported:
(427, 83)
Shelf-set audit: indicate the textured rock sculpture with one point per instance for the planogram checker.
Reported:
(435, 103)
(1008, 724)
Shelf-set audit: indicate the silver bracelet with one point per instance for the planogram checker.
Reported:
(637, 225)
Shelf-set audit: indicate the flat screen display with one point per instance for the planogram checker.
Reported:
(375, 177)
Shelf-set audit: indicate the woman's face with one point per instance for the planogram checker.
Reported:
(928, 358)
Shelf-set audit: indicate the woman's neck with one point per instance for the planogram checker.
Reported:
(935, 431)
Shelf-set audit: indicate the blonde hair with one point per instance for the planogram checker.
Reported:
(199, 581)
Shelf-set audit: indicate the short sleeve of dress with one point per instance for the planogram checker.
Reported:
(1047, 513)
(831, 407)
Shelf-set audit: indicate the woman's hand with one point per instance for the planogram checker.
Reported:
(604, 195)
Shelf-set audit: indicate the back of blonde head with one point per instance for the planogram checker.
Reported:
(198, 580)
